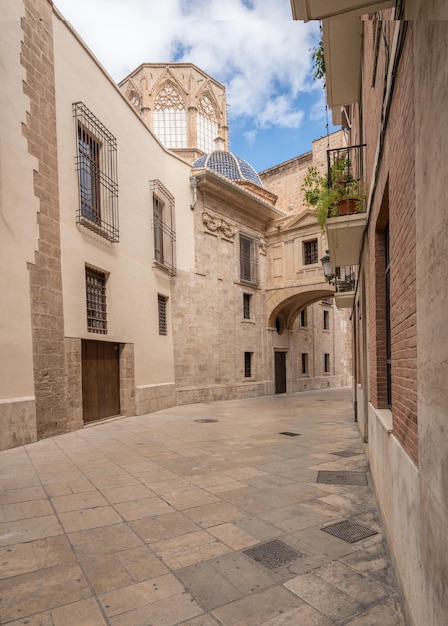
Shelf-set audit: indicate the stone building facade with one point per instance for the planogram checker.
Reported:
(394, 105)
(136, 275)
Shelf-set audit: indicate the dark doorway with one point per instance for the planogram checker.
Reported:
(280, 372)
(100, 380)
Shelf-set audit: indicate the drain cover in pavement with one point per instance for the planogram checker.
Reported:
(205, 420)
(346, 453)
(273, 554)
(290, 434)
(349, 531)
(342, 478)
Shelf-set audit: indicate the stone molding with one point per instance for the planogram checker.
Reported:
(217, 225)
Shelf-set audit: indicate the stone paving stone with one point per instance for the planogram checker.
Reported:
(388, 613)
(11, 496)
(127, 494)
(189, 549)
(139, 509)
(210, 588)
(257, 607)
(304, 615)
(83, 519)
(189, 499)
(103, 540)
(78, 501)
(325, 597)
(202, 620)
(28, 557)
(25, 510)
(358, 586)
(168, 612)
(258, 528)
(214, 514)
(85, 612)
(232, 536)
(22, 531)
(37, 591)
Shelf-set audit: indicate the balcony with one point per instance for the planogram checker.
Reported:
(347, 218)
(324, 9)
(344, 283)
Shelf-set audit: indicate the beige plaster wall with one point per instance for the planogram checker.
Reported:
(133, 282)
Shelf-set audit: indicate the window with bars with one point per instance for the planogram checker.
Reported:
(326, 320)
(96, 301)
(326, 363)
(248, 260)
(247, 364)
(246, 305)
(304, 363)
(310, 252)
(303, 318)
(163, 227)
(96, 164)
(162, 307)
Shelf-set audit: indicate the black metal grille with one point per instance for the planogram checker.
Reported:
(273, 554)
(246, 305)
(248, 260)
(349, 531)
(310, 252)
(96, 301)
(247, 364)
(96, 164)
(341, 477)
(163, 227)
(163, 327)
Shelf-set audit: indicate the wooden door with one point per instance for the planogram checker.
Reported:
(100, 380)
(280, 372)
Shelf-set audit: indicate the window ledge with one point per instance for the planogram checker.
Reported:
(246, 321)
(163, 268)
(384, 417)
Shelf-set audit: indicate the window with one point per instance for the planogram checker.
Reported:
(207, 125)
(310, 253)
(163, 227)
(326, 363)
(248, 260)
(96, 301)
(303, 318)
(163, 327)
(326, 320)
(170, 118)
(388, 327)
(96, 164)
(246, 305)
(247, 364)
(304, 363)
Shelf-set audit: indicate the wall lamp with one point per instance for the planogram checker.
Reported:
(327, 267)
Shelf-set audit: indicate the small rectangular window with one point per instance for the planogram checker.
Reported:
(246, 305)
(326, 363)
(96, 301)
(304, 363)
(326, 320)
(303, 318)
(163, 227)
(310, 253)
(247, 364)
(163, 327)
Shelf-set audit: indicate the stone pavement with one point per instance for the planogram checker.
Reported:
(151, 521)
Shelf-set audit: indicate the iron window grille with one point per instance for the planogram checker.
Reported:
(162, 305)
(310, 252)
(248, 260)
(303, 318)
(247, 364)
(326, 320)
(326, 363)
(96, 164)
(163, 227)
(304, 363)
(246, 305)
(96, 301)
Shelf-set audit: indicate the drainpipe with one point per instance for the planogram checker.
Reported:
(194, 184)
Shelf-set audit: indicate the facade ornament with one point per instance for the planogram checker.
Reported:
(217, 225)
(263, 245)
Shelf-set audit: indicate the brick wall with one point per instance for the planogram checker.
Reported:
(45, 274)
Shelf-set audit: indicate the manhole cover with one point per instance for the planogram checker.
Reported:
(349, 531)
(290, 434)
(346, 453)
(205, 420)
(273, 554)
(342, 478)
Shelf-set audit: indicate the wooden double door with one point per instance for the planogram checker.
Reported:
(280, 372)
(100, 380)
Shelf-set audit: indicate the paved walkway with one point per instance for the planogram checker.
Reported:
(150, 521)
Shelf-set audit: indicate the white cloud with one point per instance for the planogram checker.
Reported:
(251, 137)
(251, 46)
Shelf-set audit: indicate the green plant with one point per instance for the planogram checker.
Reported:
(318, 60)
(327, 196)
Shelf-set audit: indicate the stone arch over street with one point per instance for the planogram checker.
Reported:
(284, 304)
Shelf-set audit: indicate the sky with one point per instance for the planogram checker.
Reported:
(253, 47)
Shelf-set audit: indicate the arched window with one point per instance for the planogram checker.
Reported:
(170, 118)
(207, 124)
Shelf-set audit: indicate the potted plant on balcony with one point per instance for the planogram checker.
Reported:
(343, 196)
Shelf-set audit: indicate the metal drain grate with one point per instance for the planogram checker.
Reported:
(342, 478)
(290, 434)
(346, 453)
(349, 531)
(205, 420)
(273, 554)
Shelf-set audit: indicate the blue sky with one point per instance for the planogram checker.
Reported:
(253, 47)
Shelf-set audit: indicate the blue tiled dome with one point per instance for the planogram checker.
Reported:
(229, 165)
